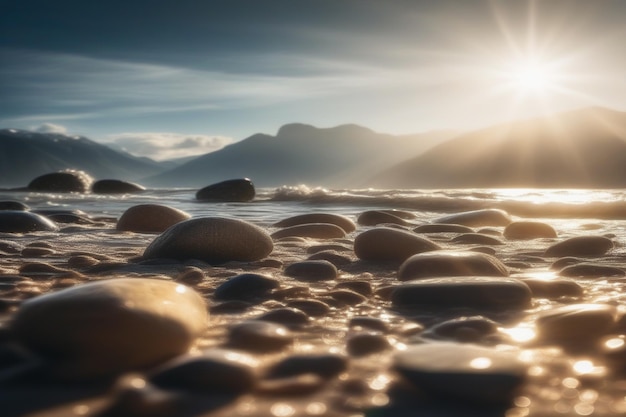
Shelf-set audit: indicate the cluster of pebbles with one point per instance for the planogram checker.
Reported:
(156, 313)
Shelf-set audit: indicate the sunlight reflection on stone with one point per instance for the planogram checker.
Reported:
(520, 334)
(316, 409)
(282, 410)
(481, 363)
(615, 343)
(181, 289)
(587, 367)
(380, 382)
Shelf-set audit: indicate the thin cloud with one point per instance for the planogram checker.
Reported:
(50, 128)
(163, 146)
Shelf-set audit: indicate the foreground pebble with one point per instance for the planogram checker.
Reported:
(390, 245)
(342, 221)
(462, 372)
(478, 218)
(235, 190)
(451, 263)
(12, 221)
(214, 240)
(581, 246)
(112, 326)
(150, 218)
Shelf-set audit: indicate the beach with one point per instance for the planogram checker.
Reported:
(325, 303)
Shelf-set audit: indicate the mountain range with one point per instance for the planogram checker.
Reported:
(578, 149)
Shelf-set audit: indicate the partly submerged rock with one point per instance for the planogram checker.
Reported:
(62, 182)
(235, 190)
(12, 221)
(384, 244)
(338, 220)
(111, 326)
(451, 263)
(111, 186)
(478, 218)
(525, 230)
(150, 218)
(581, 246)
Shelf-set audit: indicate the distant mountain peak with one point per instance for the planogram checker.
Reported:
(301, 129)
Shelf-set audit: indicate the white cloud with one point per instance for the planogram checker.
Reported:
(161, 145)
(50, 128)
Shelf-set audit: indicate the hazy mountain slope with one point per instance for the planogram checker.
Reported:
(25, 155)
(338, 156)
(583, 148)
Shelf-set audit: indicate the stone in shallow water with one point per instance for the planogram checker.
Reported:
(366, 343)
(529, 230)
(591, 270)
(13, 205)
(485, 293)
(12, 221)
(246, 287)
(476, 239)
(286, 316)
(235, 190)
(150, 218)
(214, 371)
(326, 365)
(115, 187)
(342, 221)
(553, 288)
(443, 228)
(451, 263)
(581, 246)
(66, 181)
(462, 371)
(312, 271)
(463, 329)
(214, 240)
(576, 324)
(312, 230)
(390, 245)
(259, 336)
(374, 217)
(478, 218)
(112, 326)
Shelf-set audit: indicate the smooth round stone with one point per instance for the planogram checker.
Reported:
(347, 297)
(451, 263)
(214, 240)
(115, 187)
(485, 293)
(190, 276)
(235, 190)
(247, 286)
(553, 288)
(312, 271)
(13, 205)
(12, 221)
(334, 258)
(342, 221)
(576, 324)
(464, 329)
(362, 344)
(112, 326)
(314, 308)
(565, 261)
(375, 217)
(390, 245)
(150, 218)
(589, 270)
(476, 239)
(312, 230)
(259, 336)
(524, 230)
(285, 316)
(371, 323)
(360, 286)
(442, 228)
(10, 247)
(214, 371)
(62, 182)
(462, 371)
(478, 218)
(581, 246)
(326, 365)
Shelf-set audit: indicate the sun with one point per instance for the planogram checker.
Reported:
(532, 76)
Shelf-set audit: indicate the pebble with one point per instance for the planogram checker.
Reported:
(10, 247)
(484, 293)
(333, 257)
(376, 217)
(591, 270)
(259, 336)
(112, 186)
(553, 288)
(338, 220)
(366, 343)
(150, 218)
(464, 329)
(246, 287)
(238, 190)
(312, 230)
(314, 308)
(476, 239)
(390, 245)
(37, 252)
(213, 371)
(13, 205)
(371, 323)
(12, 221)
(347, 297)
(112, 326)
(591, 246)
(325, 365)
(478, 218)
(286, 316)
(464, 372)
(442, 228)
(574, 325)
(451, 263)
(312, 271)
(360, 286)
(525, 230)
(215, 240)
(299, 385)
(66, 181)
(190, 275)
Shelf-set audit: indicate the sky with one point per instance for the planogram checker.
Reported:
(173, 78)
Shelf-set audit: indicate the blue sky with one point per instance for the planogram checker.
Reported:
(168, 78)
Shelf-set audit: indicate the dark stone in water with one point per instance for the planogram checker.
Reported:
(115, 187)
(259, 336)
(13, 205)
(332, 257)
(591, 270)
(325, 365)
(62, 182)
(235, 190)
(312, 271)
(150, 218)
(451, 263)
(484, 293)
(553, 288)
(581, 246)
(286, 316)
(529, 230)
(24, 222)
(312, 230)
(314, 308)
(478, 218)
(342, 221)
(477, 239)
(384, 244)
(215, 240)
(443, 228)
(246, 287)
(375, 217)
(366, 343)
(464, 329)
